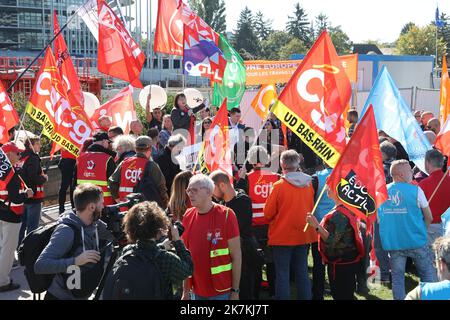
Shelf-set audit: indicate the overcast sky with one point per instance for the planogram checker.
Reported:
(360, 19)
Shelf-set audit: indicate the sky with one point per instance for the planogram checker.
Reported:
(361, 19)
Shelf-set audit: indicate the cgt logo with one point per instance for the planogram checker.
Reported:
(133, 174)
(263, 190)
(90, 164)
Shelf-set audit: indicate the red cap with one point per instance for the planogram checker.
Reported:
(11, 147)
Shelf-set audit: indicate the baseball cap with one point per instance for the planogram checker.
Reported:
(99, 136)
(143, 142)
(11, 147)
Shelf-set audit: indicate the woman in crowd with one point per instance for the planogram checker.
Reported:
(179, 201)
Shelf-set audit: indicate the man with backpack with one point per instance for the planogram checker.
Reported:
(145, 270)
(139, 174)
(12, 198)
(74, 242)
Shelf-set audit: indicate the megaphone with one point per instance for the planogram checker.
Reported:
(194, 98)
(158, 97)
(91, 103)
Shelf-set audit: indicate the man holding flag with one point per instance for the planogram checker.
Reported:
(13, 193)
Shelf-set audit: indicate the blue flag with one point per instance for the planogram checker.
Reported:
(438, 21)
(394, 117)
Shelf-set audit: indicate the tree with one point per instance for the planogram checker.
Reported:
(407, 27)
(212, 12)
(322, 23)
(294, 46)
(421, 41)
(262, 26)
(340, 40)
(444, 32)
(297, 25)
(271, 46)
(244, 35)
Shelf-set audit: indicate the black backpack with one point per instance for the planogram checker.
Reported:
(31, 248)
(136, 276)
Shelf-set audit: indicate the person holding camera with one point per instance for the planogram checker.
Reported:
(145, 270)
(76, 242)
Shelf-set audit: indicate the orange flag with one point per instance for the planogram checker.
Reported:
(169, 28)
(443, 139)
(358, 179)
(266, 96)
(314, 100)
(49, 106)
(445, 92)
(118, 54)
(8, 115)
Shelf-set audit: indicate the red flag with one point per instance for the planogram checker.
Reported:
(8, 115)
(216, 153)
(120, 109)
(358, 179)
(50, 107)
(118, 54)
(314, 100)
(443, 139)
(169, 28)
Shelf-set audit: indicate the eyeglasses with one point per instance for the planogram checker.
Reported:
(194, 190)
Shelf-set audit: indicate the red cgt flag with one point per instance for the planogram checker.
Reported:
(358, 179)
(169, 28)
(120, 109)
(313, 102)
(8, 115)
(118, 54)
(443, 139)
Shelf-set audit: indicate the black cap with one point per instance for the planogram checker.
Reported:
(100, 136)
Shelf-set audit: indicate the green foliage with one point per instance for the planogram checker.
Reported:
(407, 27)
(294, 46)
(244, 36)
(421, 41)
(322, 23)
(271, 46)
(298, 25)
(263, 27)
(340, 39)
(212, 12)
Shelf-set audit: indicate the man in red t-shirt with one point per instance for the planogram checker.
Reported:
(212, 236)
(434, 161)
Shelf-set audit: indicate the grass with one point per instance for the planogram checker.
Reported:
(377, 291)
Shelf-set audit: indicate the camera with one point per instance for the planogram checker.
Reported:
(179, 226)
(113, 217)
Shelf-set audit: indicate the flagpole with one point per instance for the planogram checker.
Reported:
(315, 206)
(43, 49)
(439, 184)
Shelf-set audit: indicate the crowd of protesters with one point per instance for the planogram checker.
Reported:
(242, 234)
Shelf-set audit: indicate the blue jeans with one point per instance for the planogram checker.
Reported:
(382, 255)
(30, 219)
(282, 256)
(424, 266)
(225, 296)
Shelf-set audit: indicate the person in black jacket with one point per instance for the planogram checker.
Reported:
(167, 162)
(32, 174)
(11, 209)
(99, 146)
(181, 114)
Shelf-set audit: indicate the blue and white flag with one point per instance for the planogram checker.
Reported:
(438, 21)
(394, 117)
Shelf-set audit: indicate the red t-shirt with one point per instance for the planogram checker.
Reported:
(200, 228)
(441, 200)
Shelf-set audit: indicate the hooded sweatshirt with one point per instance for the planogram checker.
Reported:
(292, 197)
(54, 259)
